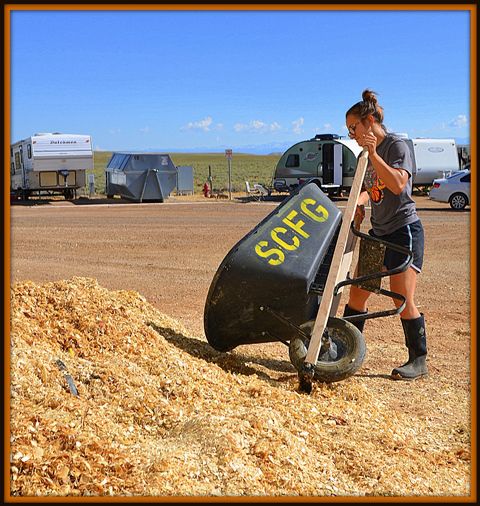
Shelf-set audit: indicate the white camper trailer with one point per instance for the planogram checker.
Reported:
(433, 158)
(50, 163)
(332, 159)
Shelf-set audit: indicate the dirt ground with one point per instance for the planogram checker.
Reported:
(169, 253)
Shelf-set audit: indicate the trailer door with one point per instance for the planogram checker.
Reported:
(22, 168)
(337, 164)
(332, 163)
(327, 163)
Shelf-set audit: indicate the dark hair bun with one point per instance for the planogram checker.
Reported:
(368, 105)
(369, 96)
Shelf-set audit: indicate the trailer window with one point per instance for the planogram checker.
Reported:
(293, 161)
(29, 151)
(17, 160)
(349, 162)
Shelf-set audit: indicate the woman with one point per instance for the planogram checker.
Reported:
(388, 186)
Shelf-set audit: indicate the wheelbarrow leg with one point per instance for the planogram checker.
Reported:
(305, 378)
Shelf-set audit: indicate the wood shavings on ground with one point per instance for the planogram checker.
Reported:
(159, 413)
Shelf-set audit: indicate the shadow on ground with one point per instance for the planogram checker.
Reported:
(81, 201)
(233, 362)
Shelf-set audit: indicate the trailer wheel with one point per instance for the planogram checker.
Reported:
(69, 194)
(338, 361)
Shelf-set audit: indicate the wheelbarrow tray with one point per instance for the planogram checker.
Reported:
(266, 278)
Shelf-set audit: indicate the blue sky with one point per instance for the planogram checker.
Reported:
(186, 80)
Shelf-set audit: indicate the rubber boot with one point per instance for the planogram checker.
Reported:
(348, 311)
(416, 342)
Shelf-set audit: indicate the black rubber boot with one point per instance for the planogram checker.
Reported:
(348, 311)
(416, 342)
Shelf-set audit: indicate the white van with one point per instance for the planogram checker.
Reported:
(50, 163)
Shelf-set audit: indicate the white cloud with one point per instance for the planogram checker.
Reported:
(459, 122)
(256, 126)
(203, 124)
(326, 128)
(145, 130)
(297, 125)
(240, 127)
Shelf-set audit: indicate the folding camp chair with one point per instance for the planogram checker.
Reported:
(254, 193)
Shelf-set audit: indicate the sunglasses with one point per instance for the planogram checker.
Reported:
(351, 128)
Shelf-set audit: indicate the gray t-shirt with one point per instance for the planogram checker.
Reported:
(389, 211)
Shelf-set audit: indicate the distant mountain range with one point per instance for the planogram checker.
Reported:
(252, 149)
(261, 149)
(273, 148)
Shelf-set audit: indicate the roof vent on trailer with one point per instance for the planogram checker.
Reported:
(326, 137)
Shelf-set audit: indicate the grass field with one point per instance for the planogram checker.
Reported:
(244, 167)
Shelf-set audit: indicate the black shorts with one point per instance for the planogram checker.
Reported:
(410, 236)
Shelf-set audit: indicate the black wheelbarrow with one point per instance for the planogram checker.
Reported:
(272, 286)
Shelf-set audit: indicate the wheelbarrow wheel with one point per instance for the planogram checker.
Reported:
(340, 356)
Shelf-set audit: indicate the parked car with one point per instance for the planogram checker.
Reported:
(454, 189)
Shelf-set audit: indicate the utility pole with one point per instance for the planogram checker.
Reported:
(228, 154)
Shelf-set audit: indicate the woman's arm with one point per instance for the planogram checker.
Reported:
(360, 209)
(394, 179)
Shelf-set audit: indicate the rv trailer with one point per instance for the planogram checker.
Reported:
(433, 159)
(332, 159)
(328, 157)
(50, 163)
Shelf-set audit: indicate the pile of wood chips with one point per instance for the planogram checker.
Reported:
(111, 397)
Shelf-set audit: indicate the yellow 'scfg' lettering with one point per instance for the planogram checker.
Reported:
(297, 226)
(280, 230)
(318, 214)
(280, 255)
(293, 221)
